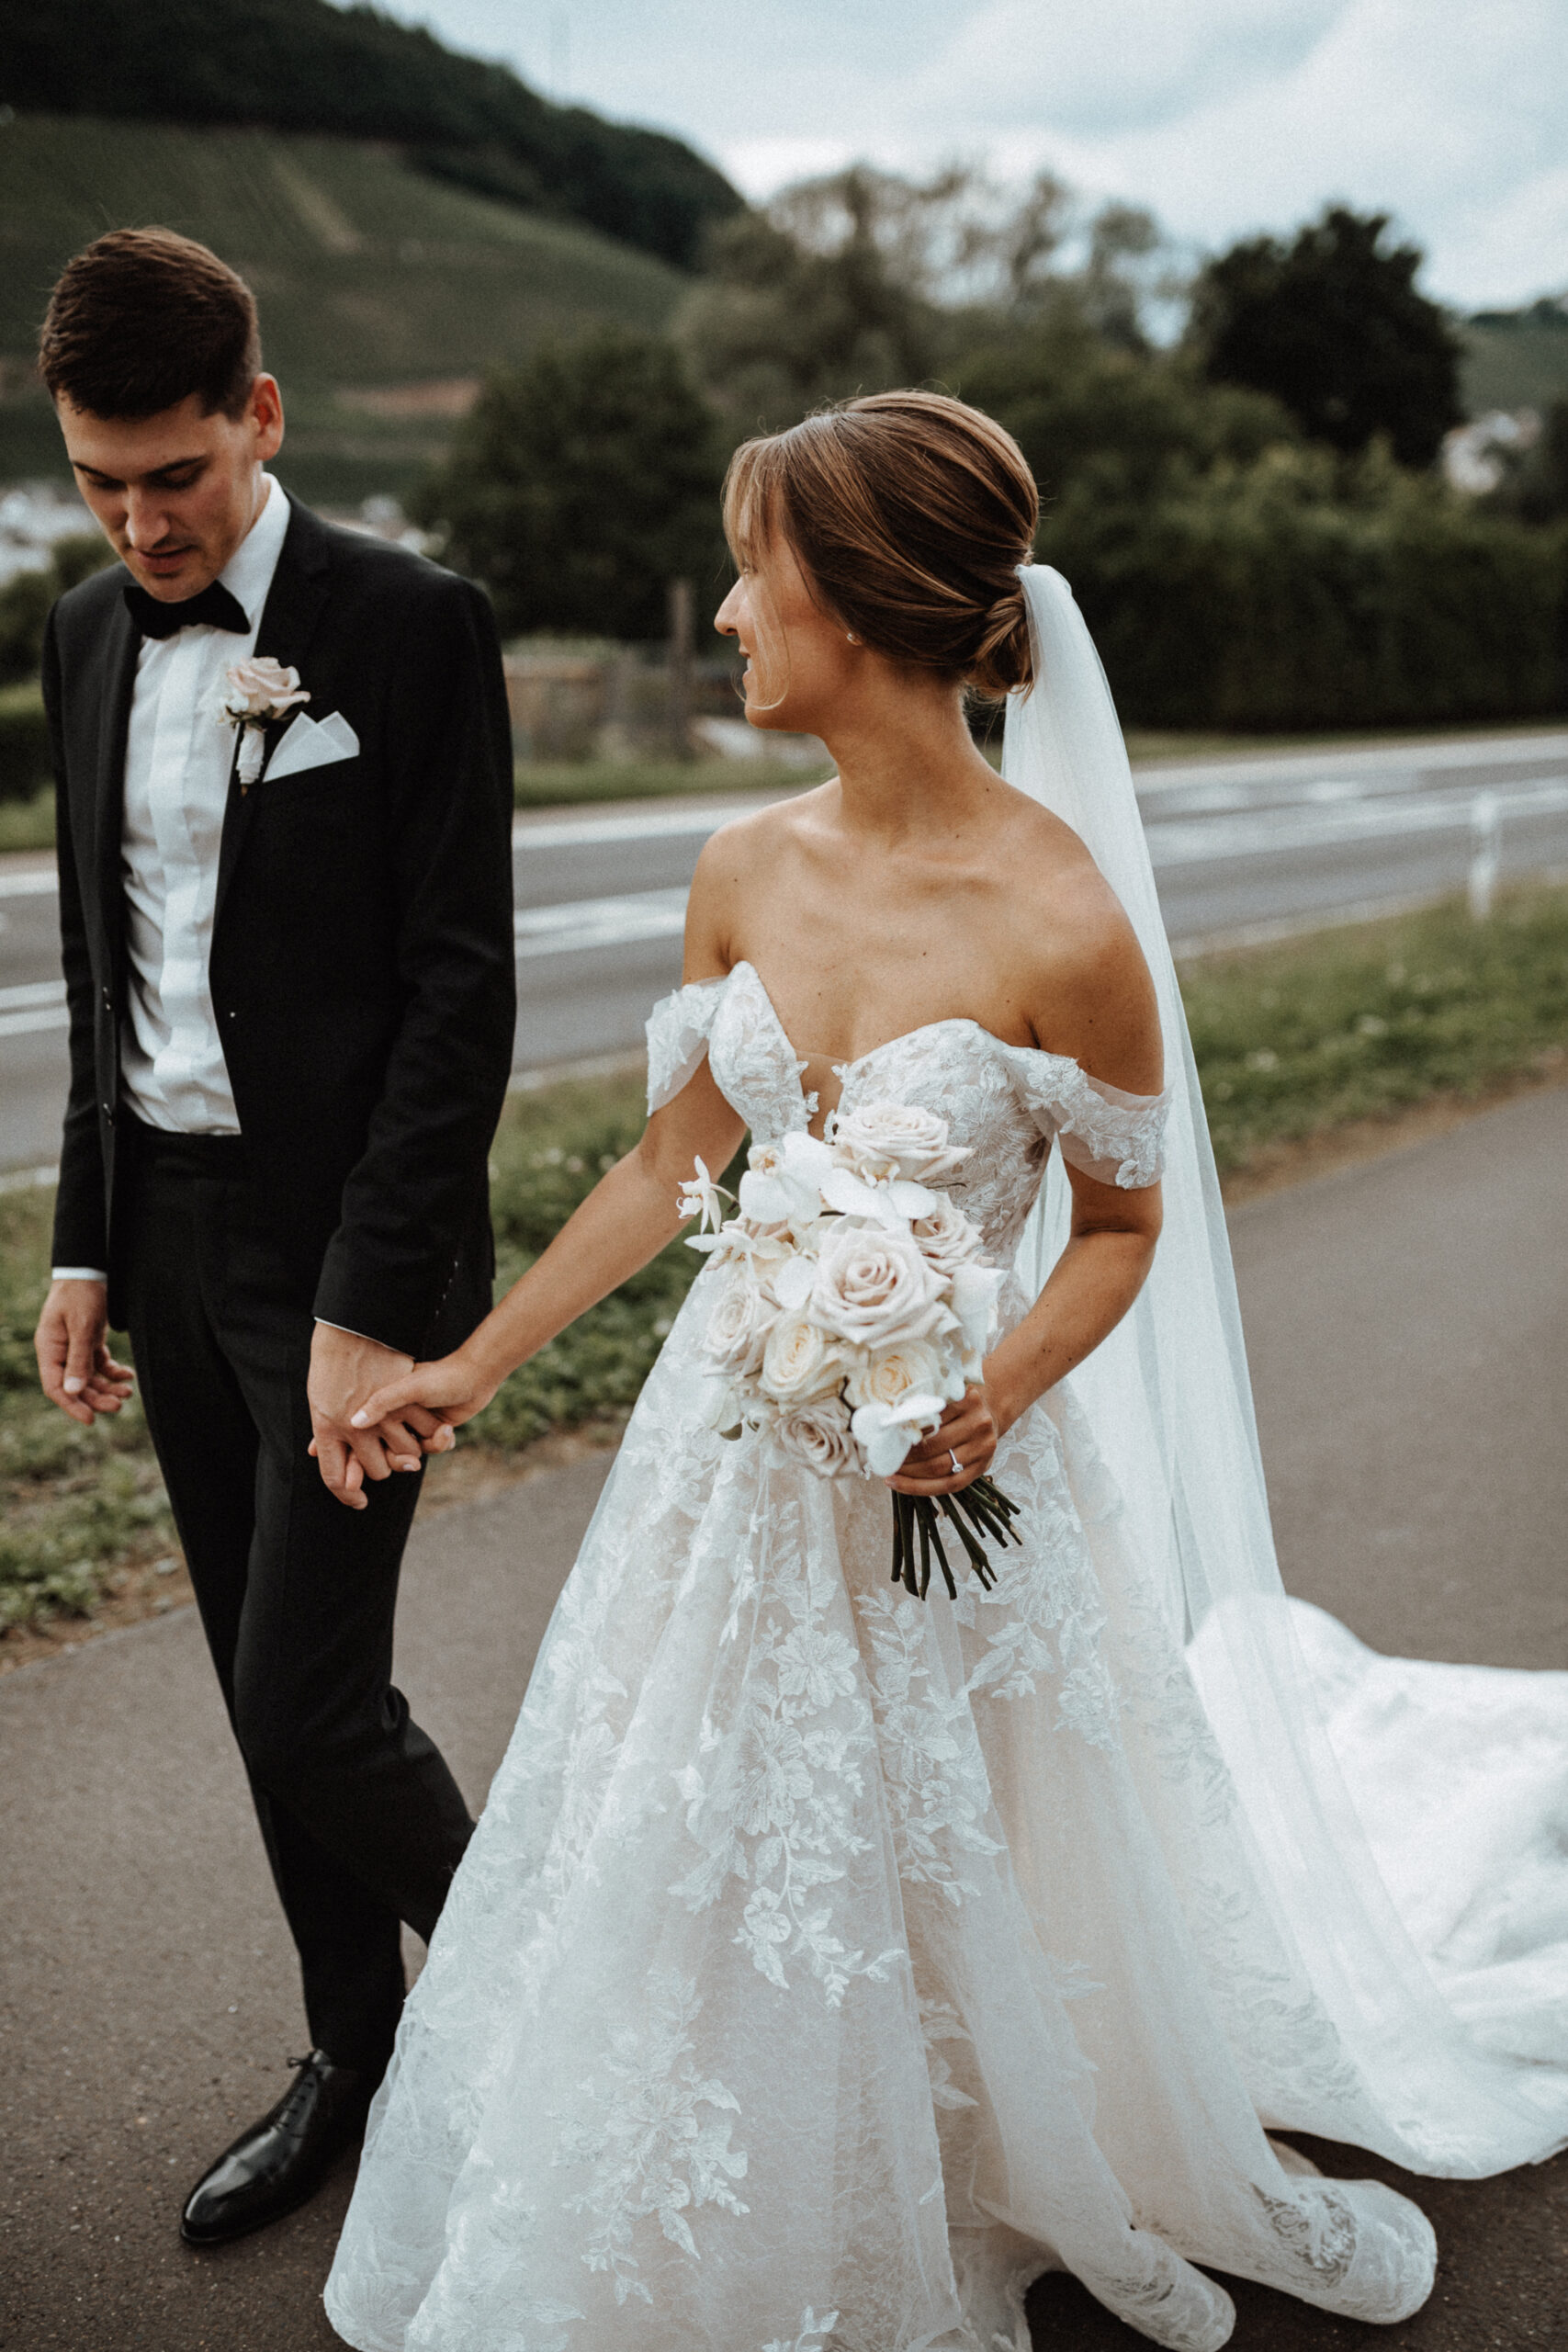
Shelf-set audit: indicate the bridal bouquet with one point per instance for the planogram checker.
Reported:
(853, 1306)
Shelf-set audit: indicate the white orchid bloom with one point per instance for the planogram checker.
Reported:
(722, 1407)
(974, 1301)
(783, 1184)
(885, 1433)
(700, 1196)
(893, 1202)
(793, 1282)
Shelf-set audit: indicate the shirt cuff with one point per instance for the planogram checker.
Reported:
(77, 1275)
(350, 1329)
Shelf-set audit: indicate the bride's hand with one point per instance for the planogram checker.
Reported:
(435, 1397)
(969, 1432)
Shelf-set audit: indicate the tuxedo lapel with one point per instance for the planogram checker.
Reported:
(289, 620)
(121, 646)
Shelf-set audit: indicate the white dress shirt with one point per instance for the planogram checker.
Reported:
(177, 758)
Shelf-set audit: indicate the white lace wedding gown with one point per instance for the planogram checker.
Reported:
(827, 1964)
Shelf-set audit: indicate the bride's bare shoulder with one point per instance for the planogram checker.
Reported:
(734, 858)
(1089, 990)
(761, 832)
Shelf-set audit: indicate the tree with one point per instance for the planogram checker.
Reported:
(1107, 424)
(864, 280)
(26, 599)
(801, 304)
(578, 486)
(1333, 326)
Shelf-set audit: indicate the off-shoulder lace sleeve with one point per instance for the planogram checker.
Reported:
(678, 1031)
(1114, 1137)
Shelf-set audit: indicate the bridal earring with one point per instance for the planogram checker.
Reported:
(853, 637)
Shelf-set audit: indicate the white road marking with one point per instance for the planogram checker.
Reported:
(34, 1005)
(599, 923)
(658, 824)
(1272, 832)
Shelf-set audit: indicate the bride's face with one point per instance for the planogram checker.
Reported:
(799, 660)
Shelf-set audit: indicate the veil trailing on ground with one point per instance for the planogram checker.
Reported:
(1169, 1402)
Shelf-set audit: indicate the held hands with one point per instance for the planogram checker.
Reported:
(75, 1367)
(972, 1429)
(351, 1446)
(435, 1398)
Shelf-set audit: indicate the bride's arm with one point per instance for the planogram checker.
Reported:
(626, 1219)
(1101, 1011)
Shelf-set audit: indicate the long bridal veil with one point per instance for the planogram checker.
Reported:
(1169, 1402)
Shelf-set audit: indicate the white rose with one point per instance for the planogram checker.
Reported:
(738, 1324)
(947, 1239)
(909, 1368)
(799, 1362)
(896, 1139)
(818, 1434)
(261, 688)
(872, 1287)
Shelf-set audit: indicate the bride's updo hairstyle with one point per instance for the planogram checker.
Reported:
(909, 514)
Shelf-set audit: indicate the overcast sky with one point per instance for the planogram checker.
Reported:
(1223, 116)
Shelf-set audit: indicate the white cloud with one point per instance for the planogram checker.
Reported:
(1449, 115)
(1225, 115)
(1109, 68)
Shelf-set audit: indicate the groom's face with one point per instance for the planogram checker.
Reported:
(175, 493)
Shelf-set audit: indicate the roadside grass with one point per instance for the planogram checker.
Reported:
(1295, 1039)
(28, 824)
(568, 784)
(1293, 1042)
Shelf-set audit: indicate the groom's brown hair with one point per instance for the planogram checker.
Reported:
(143, 318)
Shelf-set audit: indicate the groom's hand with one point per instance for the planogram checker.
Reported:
(345, 1370)
(75, 1367)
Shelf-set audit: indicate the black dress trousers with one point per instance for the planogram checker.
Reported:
(363, 1822)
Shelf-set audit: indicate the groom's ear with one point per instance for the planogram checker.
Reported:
(263, 418)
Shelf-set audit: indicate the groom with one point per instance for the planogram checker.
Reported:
(288, 955)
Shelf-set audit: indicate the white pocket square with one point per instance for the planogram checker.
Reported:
(312, 743)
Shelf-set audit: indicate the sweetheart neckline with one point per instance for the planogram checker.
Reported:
(923, 1029)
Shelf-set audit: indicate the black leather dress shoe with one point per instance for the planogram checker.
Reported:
(283, 2159)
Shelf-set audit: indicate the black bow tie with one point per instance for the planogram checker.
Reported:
(214, 608)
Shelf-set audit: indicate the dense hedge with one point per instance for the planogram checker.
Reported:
(1267, 596)
(24, 742)
(26, 600)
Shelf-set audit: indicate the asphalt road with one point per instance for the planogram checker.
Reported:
(1239, 846)
(1408, 1323)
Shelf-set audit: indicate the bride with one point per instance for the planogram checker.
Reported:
(828, 1963)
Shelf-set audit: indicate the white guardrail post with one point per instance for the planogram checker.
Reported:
(1486, 833)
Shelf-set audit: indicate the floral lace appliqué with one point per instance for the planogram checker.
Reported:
(657, 2139)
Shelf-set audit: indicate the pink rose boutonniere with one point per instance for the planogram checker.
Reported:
(255, 694)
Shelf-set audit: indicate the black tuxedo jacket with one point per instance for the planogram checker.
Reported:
(361, 970)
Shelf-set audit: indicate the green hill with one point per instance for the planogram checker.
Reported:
(382, 289)
(304, 65)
